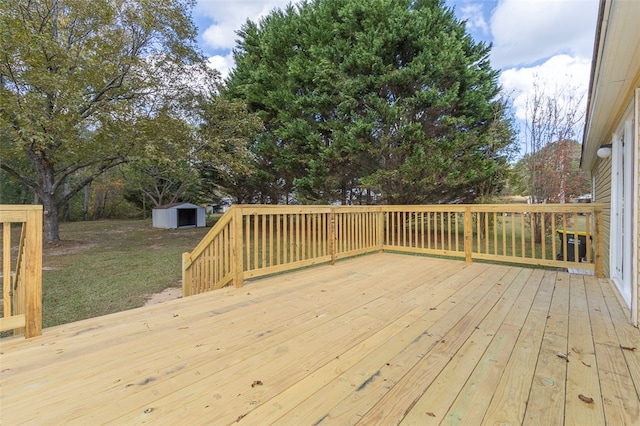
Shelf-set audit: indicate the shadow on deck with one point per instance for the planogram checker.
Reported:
(379, 339)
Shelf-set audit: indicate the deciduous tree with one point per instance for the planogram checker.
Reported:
(553, 121)
(74, 77)
(226, 134)
(554, 117)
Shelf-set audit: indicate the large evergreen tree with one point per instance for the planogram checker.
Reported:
(384, 98)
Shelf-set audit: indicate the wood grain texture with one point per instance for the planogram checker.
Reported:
(378, 339)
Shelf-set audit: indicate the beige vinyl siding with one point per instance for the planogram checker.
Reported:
(603, 195)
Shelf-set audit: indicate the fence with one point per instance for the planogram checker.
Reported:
(256, 240)
(21, 269)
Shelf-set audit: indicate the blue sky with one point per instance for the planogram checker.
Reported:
(547, 40)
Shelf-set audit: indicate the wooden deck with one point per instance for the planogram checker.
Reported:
(380, 339)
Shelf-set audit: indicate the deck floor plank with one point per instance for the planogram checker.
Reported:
(620, 400)
(284, 370)
(510, 399)
(617, 363)
(499, 352)
(349, 367)
(399, 353)
(243, 329)
(468, 369)
(378, 339)
(582, 374)
(151, 363)
(547, 397)
(386, 403)
(393, 407)
(626, 334)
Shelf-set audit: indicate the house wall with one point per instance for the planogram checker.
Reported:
(602, 194)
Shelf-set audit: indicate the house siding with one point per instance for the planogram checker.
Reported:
(603, 195)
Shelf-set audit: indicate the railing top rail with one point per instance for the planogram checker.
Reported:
(538, 208)
(16, 213)
(250, 209)
(19, 207)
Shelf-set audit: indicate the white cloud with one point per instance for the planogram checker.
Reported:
(228, 16)
(526, 31)
(560, 71)
(473, 14)
(219, 36)
(222, 63)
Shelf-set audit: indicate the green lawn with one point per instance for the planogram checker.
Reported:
(109, 266)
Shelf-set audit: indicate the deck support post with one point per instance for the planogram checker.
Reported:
(186, 275)
(380, 230)
(332, 236)
(468, 235)
(237, 267)
(33, 274)
(599, 249)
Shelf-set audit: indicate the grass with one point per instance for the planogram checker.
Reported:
(109, 266)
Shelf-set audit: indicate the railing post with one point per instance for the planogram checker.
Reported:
(186, 276)
(237, 266)
(599, 249)
(468, 235)
(33, 274)
(380, 230)
(332, 236)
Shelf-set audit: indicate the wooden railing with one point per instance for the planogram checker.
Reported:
(255, 240)
(21, 269)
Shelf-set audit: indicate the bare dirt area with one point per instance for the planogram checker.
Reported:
(167, 294)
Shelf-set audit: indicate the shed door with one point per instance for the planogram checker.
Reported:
(187, 217)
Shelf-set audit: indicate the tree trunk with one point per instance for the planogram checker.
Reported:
(100, 202)
(47, 195)
(50, 217)
(66, 208)
(537, 228)
(85, 204)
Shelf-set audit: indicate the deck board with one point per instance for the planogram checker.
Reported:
(378, 339)
(547, 396)
(511, 395)
(475, 396)
(582, 370)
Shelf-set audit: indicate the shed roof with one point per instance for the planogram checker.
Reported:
(171, 205)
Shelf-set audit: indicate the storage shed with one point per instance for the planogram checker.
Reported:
(179, 215)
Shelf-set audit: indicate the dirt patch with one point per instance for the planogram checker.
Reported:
(167, 294)
(65, 247)
(50, 268)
